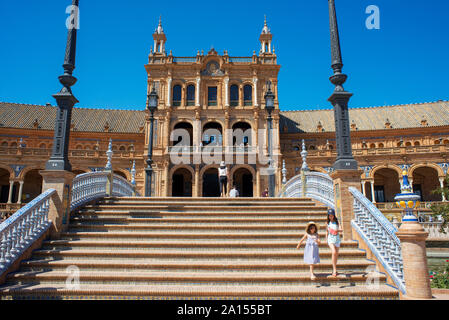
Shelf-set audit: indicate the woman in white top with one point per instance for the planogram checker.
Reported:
(223, 178)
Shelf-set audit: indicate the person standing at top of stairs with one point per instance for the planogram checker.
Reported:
(333, 238)
(223, 179)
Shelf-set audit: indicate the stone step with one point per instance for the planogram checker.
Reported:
(206, 207)
(216, 266)
(197, 244)
(184, 235)
(171, 200)
(194, 278)
(179, 291)
(82, 227)
(192, 221)
(191, 254)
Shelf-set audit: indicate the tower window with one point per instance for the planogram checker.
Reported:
(212, 96)
(234, 95)
(177, 95)
(190, 95)
(248, 95)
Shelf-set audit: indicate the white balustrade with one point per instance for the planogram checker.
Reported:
(88, 187)
(318, 186)
(122, 187)
(379, 234)
(23, 228)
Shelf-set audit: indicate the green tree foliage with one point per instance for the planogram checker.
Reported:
(442, 209)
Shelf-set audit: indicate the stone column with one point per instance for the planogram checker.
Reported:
(197, 92)
(166, 179)
(363, 188)
(256, 103)
(344, 201)
(258, 191)
(196, 191)
(11, 186)
(59, 212)
(169, 81)
(442, 186)
(416, 272)
(373, 196)
(19, 199)
(226, 82)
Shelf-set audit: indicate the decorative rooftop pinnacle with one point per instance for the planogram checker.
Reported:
(159, 29)
(265, 29)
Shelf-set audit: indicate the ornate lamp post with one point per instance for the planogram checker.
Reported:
(59, 160)
(269, 107)
(340, 99)
(153, 99)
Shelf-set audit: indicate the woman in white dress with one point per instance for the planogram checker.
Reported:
(333, 238)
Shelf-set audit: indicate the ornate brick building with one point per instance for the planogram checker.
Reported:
(213, 97)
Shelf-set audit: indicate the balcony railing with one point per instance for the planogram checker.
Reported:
(205, 149)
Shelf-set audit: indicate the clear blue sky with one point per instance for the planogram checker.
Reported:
(406, 61)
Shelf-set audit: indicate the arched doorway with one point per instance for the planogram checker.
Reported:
(243, 180)
(386, 185)
(32, 186)
(211, 186)
(241, 134)
(184, 134)
(4, 185)
(212, 134)
(182, 183)
(425, 180)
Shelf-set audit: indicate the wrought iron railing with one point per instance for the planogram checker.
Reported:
(23, 228)
(88, 187)
(379, 235)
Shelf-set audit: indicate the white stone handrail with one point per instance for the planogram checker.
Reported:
(318, 186)
(379, 235)
(122, 187)
(87, 187)
(23, 228)
(433, 228)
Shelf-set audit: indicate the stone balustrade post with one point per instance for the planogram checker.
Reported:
(416, 272)
(59, 211)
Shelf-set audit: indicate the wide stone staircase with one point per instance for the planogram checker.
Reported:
(207, 248)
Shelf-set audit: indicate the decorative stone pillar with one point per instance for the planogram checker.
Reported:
(166, 179)
(256, 103)
(416, 272)
(169, 81)
(197, 92)
(11, 186)
(344, 201)
(226, 82)
(373, 195)
(19, 199)
(196, 191)
(59, 211)
(363, 188)
(442, 186)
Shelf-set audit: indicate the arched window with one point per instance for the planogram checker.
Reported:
(248, 95)
(372, 146)
(417, 144)
(87, 148)
(445, 142)
(114, 148)
(408, 144)
(212, 96)
(190, 95)
(131, 148)
(79, 147)
(4, 144)
(177, 92)
(437, 142)
(122, 148)
(43, 146)
(381, 146)
(234, 95)
(312, 148)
